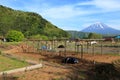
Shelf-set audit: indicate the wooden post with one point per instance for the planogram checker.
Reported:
(87, 46)
(65, 47)
(40, 46)
(52, 44)
(118, 48)
(75, 46)
(34, 46)
(93, 49)
(4, 76)
(81, 51)
(101, 48)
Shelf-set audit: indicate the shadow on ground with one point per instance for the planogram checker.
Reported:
(99, 71)
(88, 70)
(104, 71)
(7, 77)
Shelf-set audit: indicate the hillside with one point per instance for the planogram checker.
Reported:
(28, 23)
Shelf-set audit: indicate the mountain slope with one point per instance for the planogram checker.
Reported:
(101, 28)
(28, 23)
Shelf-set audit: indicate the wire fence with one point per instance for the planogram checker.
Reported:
(100, 47)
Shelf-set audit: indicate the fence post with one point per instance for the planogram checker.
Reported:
(101, 48)
(87, 47)
(75, 46)
(93, 49)
(65, 46)
(119, 48)
(53, 44)
(4, 76)
(81, 51)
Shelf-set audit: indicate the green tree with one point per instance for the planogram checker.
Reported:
(14, 35)
(94, 36)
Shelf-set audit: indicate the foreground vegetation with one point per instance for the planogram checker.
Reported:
(8, 63)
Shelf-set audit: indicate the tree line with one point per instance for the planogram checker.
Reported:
(84, 35)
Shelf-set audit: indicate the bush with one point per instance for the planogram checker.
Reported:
(38, 36)
(14, 35)
(94, 36)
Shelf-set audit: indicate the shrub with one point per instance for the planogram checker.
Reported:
(38, 36)
(14, 35)
(94, 36)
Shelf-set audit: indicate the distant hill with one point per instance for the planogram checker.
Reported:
(101, 28)
(78, 34)
(29, 23)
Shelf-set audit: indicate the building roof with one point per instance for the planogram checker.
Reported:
(117, 37)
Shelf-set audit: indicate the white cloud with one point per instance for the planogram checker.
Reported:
(109, 5)
(106, 5)
(70, 11)
(61, 12)
(65, 12)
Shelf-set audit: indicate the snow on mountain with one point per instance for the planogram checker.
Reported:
(101, 28)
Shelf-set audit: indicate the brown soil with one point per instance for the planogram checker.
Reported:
(53, 69)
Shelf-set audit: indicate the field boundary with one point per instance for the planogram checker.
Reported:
(31, 62)
(21, 69)
(34, 65)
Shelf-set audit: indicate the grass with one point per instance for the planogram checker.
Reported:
(10, 43)
(8, 64)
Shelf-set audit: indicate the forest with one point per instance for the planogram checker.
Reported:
(31, 24)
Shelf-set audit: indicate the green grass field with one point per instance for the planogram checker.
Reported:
(8, 64)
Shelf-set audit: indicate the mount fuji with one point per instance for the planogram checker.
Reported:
(101, 28)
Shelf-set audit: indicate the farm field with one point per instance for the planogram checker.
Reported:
(9, 64)
(53, 69)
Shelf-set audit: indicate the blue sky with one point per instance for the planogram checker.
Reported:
(71, 14)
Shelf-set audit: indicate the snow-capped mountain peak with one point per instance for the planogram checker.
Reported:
(101, 28)
(99, 24)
